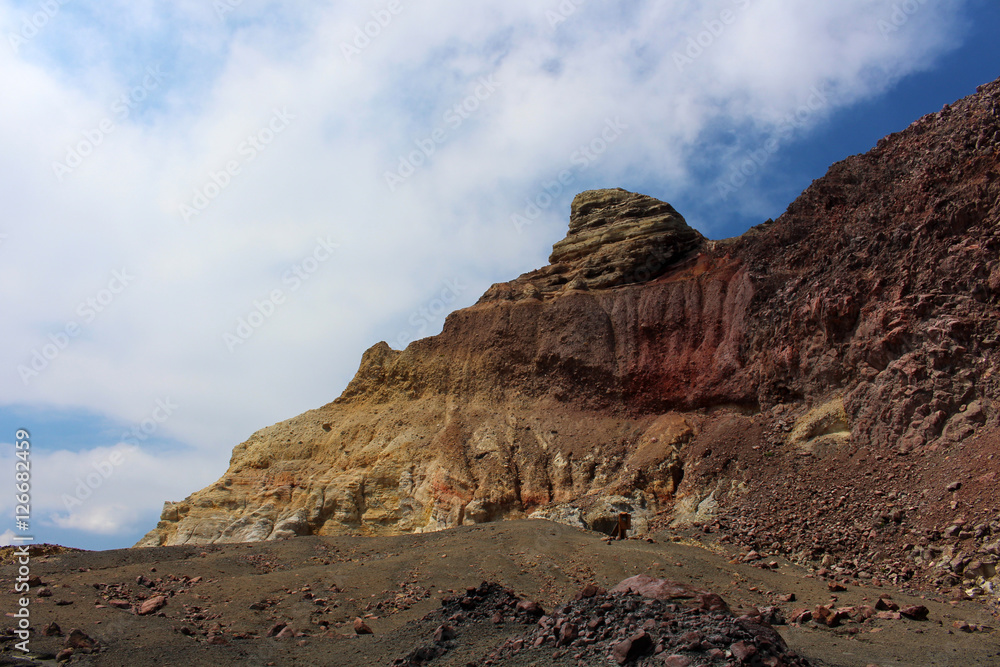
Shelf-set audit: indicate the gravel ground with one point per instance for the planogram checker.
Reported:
(296, 602)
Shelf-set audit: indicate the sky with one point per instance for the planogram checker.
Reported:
(211, 208)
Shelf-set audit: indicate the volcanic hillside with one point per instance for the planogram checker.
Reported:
(824, 385)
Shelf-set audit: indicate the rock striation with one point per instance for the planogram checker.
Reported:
(845, 354)
(611, 234)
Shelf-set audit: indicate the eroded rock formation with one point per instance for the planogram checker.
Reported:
(647, 368)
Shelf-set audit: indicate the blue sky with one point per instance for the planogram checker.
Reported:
(213, 208)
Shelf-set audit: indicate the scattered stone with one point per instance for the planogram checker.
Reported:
(589, 591)
(443, 633)
(52, 630)
(917, 612)
(677, 660)
(802, 616)
(567, 633)
(743, 651)
(885, 604)
(361, 628)
(530, 607)
(713, 602)
(658, 589)
(152, 605)
(829, 617)
(79, 640)
(771, 616)
(864, 612)
(631, 648)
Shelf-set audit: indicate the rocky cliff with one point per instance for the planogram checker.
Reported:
(815, 386)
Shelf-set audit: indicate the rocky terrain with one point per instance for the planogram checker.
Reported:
(512, 593)
(823, 387)
(802, 423)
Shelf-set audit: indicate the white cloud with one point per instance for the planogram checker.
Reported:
(7, 538)
(108, 490)
(324, 175)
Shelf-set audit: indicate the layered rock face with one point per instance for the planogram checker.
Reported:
(650, 370)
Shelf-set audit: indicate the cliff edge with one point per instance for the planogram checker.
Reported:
(810, 387)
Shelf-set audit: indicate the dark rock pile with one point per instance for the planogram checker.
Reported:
(642, 621)
(489, 602)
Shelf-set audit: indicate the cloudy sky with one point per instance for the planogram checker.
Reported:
(211, 208)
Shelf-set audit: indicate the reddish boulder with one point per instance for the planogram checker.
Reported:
(152, 605)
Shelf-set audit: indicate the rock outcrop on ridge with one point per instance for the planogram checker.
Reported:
(816, 386)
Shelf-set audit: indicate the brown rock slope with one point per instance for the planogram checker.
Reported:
(814, 386)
